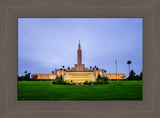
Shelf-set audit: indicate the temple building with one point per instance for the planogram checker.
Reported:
(79, 73)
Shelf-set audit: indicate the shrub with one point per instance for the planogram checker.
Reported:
(95, 83)
(101, 80)
(60, 80)
(54, 82)
(98, 77)
(89, 83)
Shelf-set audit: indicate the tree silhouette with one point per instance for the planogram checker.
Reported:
(105, 71)
(141, 76)
(98, 77)
(27, 76)
(68, 67)
(63, 66)
(52, 72)
(132, 75)
(90, 67)
(25, 71)
(129, 62)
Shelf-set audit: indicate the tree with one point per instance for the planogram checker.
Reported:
(105, 71)
(61, 78)
(98, 77)
(95, 66)
(68, 67)
(27, 76)
(21, 78)
(129, 62)
(52, 72)
(63, 66)
(104, 78)
(58, 80)
(132, 75)
(90, 67)
(140, 76)
(25, 71)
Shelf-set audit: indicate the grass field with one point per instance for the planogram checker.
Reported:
(45, 90)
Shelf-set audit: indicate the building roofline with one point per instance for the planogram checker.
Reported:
(115, 73)
(44, 73)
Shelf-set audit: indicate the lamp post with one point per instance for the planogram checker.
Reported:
(116, 68)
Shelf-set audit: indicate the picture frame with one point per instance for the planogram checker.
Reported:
(10, 11)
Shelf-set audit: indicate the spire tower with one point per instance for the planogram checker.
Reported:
(79, 45)
(79, 66)
(79, 54)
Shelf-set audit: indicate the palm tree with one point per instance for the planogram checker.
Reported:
(105, 71)
(90, 67)
(25, 72)
(129, 62)
(95, 66)
(52, 72)
(68, 67)
(63, 66)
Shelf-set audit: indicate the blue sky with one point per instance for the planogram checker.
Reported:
(45, 44)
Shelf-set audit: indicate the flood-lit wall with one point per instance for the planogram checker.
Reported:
(115, 76)
(99, 72)
(78, 77)
(62, 72)
(44, 76)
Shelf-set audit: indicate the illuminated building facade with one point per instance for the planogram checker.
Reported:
(79, 73)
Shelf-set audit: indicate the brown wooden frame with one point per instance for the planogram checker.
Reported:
(10, 10)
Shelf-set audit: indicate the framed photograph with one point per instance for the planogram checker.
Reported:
(106, 64)
(15, 103)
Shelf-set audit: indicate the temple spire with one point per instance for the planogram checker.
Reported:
(79, 45)
(79, 54)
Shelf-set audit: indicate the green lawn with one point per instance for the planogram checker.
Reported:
(45, 90)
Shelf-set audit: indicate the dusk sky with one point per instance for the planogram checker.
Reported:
(45, 44)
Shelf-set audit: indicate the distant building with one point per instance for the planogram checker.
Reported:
(115, 76)
(79, 73)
